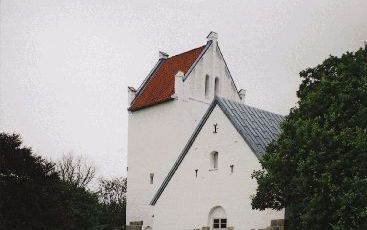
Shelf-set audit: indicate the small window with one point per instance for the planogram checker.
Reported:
(216, 86)
(214, 160)
(151, 176)
(219, 223)
(206, 86)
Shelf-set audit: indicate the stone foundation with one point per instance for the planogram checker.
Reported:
(279, 224)
(135, 225)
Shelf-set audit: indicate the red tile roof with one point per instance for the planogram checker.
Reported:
(160, 86)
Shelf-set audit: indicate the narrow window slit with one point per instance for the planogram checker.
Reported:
(214, 159)
(206, 90)
(151, 176)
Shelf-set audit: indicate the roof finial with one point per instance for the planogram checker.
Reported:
(163, 55)
(212, 36)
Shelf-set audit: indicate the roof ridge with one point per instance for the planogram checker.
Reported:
(249, 106)
(186, 51)
(203, 51)
(146, 80)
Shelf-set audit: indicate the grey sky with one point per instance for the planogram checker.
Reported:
(65, 65)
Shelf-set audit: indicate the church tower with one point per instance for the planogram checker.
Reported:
(163, 112)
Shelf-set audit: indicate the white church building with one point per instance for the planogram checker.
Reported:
(192, 146)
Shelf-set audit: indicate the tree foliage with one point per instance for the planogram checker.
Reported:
(27, 188)
(112, 195)
(317, 169)
(34, 197)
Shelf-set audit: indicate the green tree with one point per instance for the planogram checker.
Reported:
(112, 196)
(317, 169)
(28, 189)
(84, 210)
(34, 197)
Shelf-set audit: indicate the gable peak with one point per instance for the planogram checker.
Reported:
(212, 36)
(163, 55)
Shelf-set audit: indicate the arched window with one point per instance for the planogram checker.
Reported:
(214, 159)
(206, 86)
(216, 86)
(217, 218)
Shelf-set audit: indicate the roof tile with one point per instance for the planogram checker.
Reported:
(258, 127)
(160, 86)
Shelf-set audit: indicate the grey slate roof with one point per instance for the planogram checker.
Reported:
(257, 127)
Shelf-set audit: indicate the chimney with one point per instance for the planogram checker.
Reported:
(163, 55)
(130, 94)
(212, 36)
(242, 94)
(179, 84)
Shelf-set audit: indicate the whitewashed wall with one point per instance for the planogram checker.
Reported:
(156, 135)
(187, 200)
(213, 65)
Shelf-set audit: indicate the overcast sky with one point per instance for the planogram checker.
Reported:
(65, 65)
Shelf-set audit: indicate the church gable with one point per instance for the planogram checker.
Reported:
(257, 128)
(217, 161)
(199, 74)
(210, 76)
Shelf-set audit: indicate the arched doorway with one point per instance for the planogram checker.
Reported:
(148, 228)
(217, 219)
